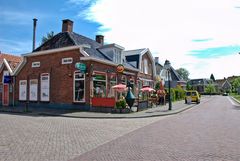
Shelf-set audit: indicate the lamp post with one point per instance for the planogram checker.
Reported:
(167, 67)
(169, 93)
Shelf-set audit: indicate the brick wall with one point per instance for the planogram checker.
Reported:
(61, 75)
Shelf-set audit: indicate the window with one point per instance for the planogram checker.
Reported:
(35, 64)
(145, 62)
(112, 82)
(23, 90)
(124, 80)
(67, 60)
(45, 84)
(33, 94)
(79, 87)
(99, 85)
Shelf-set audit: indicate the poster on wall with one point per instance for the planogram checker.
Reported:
(23, 90)
(33, 93)
(45, 81)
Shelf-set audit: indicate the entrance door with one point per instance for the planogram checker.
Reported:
(5, 95)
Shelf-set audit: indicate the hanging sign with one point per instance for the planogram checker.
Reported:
(120, 68)
(7, 79)
(82, 67)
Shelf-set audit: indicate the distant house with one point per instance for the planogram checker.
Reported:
(224, 85)
(8, 64)
(200, 84)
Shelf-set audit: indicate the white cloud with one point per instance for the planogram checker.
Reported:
(168, 28)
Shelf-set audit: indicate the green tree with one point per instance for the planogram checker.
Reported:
(210, 89)
(212, 77)
(184, 73)
(236, 84)
(46, 38)
(188, 87)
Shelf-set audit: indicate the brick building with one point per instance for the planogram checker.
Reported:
(48, 76)
(8, 64)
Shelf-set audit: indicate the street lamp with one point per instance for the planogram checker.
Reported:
(167, 66)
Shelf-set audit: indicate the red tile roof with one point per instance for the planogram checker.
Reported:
(12, 60)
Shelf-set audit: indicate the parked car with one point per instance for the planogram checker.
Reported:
(225, 94)
(192, 96)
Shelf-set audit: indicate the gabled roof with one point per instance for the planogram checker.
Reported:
(136, 55)
(11, 61)
(226, 84)
(134, 52)
(67, 39)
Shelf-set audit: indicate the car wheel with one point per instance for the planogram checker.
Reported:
(185, 101)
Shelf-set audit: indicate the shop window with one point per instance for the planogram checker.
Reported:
(124, 80)
(79, 87)
(112, 82)
(99, 85)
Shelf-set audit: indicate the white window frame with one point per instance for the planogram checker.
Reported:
(67, 60)
(145, 62)
(31, 87)
(24, 90)
(36, 64)
(49, 89)
(74, 79)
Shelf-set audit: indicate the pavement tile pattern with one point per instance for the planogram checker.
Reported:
(207, 132)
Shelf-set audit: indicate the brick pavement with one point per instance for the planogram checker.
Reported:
(41, 138)
(209, 132)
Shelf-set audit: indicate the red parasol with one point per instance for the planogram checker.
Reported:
(147, 89)
(119, 87)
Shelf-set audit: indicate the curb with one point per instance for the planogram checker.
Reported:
(237, 101)
(121, 117)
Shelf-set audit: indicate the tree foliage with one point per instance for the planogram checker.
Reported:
(184, 73)
(49, 36)
(236, 84)
(210, 89)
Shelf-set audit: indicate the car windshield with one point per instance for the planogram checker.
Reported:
(188, 94)
(194, 93)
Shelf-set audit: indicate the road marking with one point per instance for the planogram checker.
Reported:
(232, 102)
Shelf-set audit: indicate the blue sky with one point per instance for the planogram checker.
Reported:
(201, 36)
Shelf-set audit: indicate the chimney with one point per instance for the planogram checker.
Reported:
(67, 25)
(34, 32)
(156, 59)
(100, 39)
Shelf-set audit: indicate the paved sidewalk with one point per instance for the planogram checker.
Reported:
(177, 107)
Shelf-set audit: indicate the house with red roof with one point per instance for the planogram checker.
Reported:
(8, 64)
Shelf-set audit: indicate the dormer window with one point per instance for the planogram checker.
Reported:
(145, 65)
(117, 56)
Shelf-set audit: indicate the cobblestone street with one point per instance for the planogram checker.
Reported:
(207, 132)
(57, 138)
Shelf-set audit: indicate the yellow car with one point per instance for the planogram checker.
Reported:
(192, 96)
